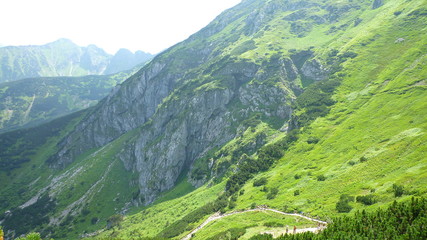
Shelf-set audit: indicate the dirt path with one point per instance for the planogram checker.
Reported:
(258, 209)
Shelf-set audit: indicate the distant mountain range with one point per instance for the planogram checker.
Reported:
(32, 101)
(64, 58)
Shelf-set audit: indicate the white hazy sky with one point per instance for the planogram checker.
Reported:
(148, 25)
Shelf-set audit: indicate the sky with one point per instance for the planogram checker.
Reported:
(147, 25)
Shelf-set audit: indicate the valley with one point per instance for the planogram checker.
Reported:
(316, 109)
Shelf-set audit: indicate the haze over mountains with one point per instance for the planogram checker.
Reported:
(55, 81)
(64, 58)
(313, 106)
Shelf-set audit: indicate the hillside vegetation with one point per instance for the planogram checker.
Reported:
(32, 101)
(315, 107)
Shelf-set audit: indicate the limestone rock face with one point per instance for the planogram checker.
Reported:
(177, 119)
(189, 100)
(314, 70)
(185, 129)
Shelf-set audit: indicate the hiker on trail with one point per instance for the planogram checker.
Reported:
(295, 229)
(287, 229)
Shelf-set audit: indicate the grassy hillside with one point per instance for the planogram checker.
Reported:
(356, 139)
(369, 149)
(373, 137)
(29, 102)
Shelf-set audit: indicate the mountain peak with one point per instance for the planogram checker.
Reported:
(62, 41)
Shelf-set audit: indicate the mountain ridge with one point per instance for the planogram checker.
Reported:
(301, 107)
(63, 58)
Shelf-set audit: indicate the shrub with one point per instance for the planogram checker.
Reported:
(297, 176)
(231, 205)
(398, 190)
(233, 233)
(343, 205)
(85, 211)
(312, 140)
(400, 221)
(273, 224)
(94, 220)
(366, 200)
(260, 182)
(296, 192)
(273, 193)
(363, 159)
(114, 221)
(30, 236)
(253, 205)
(321, 178)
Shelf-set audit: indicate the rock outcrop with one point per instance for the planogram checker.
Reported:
(187, 101)
(377, 3)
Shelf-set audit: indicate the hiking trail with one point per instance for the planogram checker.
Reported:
(218, 215)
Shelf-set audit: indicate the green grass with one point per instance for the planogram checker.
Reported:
(253, 222)
(150, 221)
(378, 116)
(53, 97)
(374, 136)
(182, 187)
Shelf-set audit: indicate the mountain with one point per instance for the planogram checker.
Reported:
(32, 101)
(63, 58)
(310, 106)
(125, 59)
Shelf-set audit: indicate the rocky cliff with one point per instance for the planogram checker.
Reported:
(181, 115)
(193, 98)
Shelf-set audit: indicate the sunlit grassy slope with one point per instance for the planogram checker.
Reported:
(373, 137)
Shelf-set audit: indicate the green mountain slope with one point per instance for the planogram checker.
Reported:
(309, 106)
(29, 102)
(63, 58)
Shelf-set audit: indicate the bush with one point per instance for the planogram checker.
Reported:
(363, 159)
(30, 236)
(26, 219)
(232, 205)
(343, 205)
(321, 178)
(312, 140)
(296, 192)
(273, 224)
(273, 193)
(366, 200)
(260, 182)
(398, 190)
(114, 221)
(405, 220)
(233, 233)
(94, 220)
(297, 176)
(253, 205)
